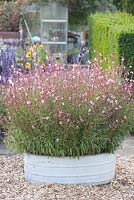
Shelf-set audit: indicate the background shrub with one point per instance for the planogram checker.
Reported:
(126, 48)
(10, 16)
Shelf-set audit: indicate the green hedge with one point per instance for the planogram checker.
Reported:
(126, 48)
(112, 33)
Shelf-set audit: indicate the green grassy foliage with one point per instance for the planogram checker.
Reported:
(112, 33)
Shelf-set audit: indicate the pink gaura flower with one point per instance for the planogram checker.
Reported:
(28, 102)
(110, 81)
(42, 101)
(33, 127)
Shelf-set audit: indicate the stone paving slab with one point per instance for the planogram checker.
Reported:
(127, 148)
(4, 150)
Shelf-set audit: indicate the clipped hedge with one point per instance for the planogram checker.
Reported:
(112, 33)
(126, 48)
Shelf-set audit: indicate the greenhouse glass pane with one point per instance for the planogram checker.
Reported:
(54, 11)
(33, 22)
(54, 32)
(56, 48)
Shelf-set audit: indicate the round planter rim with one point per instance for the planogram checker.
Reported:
(72, 157)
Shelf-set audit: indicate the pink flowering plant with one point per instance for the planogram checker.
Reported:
(68, 112)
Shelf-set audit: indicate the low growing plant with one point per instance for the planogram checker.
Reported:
(2, 115)
(32, 57)
(68, 112)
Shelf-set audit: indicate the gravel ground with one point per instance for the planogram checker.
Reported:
(13, 186)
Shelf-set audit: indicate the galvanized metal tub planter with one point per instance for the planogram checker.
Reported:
(92, 169)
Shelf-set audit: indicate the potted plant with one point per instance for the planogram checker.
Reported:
(68, 122)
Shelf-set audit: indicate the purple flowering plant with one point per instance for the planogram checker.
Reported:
(33, 56)
(7, 62)
(68, 112)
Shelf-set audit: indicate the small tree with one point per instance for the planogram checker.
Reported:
(10, 16)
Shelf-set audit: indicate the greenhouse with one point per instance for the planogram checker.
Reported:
(44, 23)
